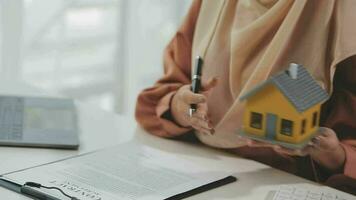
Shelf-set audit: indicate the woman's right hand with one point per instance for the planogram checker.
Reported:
(181, 104)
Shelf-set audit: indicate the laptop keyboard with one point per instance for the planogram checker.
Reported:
(11, 118)
(296, 193)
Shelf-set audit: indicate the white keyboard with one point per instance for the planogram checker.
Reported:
(299, 193)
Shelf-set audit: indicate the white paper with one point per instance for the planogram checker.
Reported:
(307, 191)
(128, 171)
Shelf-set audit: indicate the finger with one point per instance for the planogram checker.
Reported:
(203, 130)
(191, 98)
(316, 142)
(207, 85)
(201, 114)
(323, 143)
(194, 120)
(311, 143)
(319, 139)
(314, 145)
(326, 132)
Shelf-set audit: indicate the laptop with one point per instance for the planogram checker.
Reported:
(38, 122)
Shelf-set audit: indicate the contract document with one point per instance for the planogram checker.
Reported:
(128, 171)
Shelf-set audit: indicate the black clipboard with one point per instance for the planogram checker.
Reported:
(17, 188)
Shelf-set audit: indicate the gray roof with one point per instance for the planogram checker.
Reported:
(303, 92)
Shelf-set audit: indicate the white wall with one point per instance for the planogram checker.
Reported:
(102, 51)
(151, 26)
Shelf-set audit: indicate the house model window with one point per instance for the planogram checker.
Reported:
(256, 120)
(315, 117)
(286, 127)
(304, 122)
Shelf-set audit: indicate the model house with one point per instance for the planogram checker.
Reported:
(284, 108)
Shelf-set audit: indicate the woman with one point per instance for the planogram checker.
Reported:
(243, 42)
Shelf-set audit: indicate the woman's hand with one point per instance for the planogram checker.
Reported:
(181, 103)
(325, 149)
(328, 151)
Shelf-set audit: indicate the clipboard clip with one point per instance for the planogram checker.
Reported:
(26, 189)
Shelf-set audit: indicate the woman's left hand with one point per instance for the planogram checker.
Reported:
(325, 149)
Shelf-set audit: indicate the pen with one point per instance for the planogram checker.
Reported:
(196, 81)
(36, 194)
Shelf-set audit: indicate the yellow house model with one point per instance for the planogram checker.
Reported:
(285, 109)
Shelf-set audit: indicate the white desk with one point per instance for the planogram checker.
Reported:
(101, 129)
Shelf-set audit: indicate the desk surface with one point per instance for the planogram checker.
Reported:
(100, 129)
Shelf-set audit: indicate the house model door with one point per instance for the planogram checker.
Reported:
(271, 125)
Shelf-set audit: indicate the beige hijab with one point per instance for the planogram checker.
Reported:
(245, 41)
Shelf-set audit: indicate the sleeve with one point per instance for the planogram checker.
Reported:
(340, 112)
(153, 104)
(343, 183)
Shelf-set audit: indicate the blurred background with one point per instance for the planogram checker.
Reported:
(98, 51)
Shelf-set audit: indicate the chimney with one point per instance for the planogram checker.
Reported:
(293, 70)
